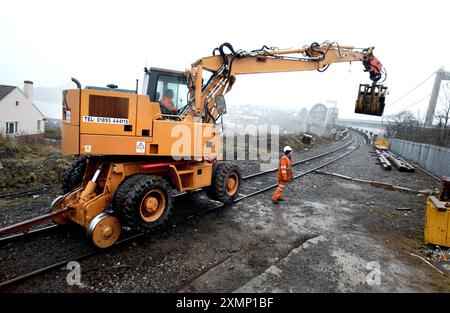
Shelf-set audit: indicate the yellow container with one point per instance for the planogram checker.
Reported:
(382, 144)
(437, 222)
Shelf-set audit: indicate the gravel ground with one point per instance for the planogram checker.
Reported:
(355, 224)
(250, 246)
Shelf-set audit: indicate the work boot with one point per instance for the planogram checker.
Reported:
(275, 201)
(281, 199)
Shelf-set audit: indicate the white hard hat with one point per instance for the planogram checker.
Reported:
(287, 148)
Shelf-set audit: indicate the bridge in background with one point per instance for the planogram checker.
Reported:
(369, 127)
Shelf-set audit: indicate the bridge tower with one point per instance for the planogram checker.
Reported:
(440, 76)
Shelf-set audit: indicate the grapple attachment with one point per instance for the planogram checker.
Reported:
(371, 99)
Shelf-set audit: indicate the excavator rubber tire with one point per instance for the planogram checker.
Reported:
(73, 176)
(218, 189)
(129, 197)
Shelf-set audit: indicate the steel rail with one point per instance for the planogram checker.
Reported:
(301, 161)
(25, 225)
(8, 239)
(29, 191)
(426, 172)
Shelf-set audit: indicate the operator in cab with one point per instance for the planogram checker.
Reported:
(168, 102)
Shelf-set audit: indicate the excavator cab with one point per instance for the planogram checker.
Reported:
(371, 99)
(159, 83)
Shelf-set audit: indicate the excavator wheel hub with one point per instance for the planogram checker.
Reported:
(232, 183)
(107, 231)
(152, 205)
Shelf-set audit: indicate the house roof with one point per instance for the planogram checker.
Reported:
(5, 90)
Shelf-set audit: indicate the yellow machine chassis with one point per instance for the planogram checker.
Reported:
(129, 124)
(92, 199)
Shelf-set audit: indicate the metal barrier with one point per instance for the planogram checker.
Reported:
(433, 158)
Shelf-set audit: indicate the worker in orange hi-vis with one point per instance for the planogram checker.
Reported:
(284, 174)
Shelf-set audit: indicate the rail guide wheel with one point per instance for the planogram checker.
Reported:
(55, 206)
(104, 230)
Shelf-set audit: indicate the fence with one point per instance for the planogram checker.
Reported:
(433, 158)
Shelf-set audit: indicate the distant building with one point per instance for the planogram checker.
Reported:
(18, 115)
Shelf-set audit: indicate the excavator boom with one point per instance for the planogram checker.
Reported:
(226, 66)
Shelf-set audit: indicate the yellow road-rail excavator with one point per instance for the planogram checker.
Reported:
(135, 148)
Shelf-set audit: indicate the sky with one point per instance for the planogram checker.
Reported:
(102, 42)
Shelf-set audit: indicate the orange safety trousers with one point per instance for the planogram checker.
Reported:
(279, 191)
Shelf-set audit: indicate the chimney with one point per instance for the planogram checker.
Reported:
(28, 89)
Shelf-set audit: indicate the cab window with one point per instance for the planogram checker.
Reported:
(172, 87)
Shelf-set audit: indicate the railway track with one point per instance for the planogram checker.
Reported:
(28, 192)
(326, 158)
(426, 172)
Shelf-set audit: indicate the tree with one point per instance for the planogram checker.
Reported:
(402, 125)
(443, 116)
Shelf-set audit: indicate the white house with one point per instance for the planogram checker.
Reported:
(18, 115)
